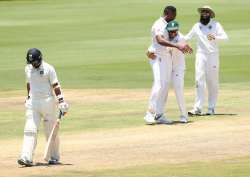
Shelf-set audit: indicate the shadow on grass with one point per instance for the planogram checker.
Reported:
(39, 164)
(217, 114)
(42, 164)
(173, 123)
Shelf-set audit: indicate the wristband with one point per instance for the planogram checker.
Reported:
(60, 98)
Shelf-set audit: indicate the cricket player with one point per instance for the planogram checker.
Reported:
(208, 33)
(43, 90)
(160, 59)
(176, 68)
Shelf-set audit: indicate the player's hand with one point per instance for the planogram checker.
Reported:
(63, 107)
(185, 48)
(151, 55)
(27, 102)
(26, 99)
(210, 37)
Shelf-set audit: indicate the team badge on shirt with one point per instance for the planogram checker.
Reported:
(41, 72)
(210, 27)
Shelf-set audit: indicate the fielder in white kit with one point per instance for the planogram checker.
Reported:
(208, 33)
(160, 60)
(176, 69)
(41, 83)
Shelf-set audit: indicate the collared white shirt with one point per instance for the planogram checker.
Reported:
(158, 28)
(178, 38)
(177, 56)
(41, 80)
(201, 32)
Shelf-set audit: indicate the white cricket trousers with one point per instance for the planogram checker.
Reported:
(35, 110)
(166, 71)
(206, 74)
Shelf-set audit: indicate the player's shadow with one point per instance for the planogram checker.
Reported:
(178, 122)
(217, 114)
(41, 164)
(173, 123)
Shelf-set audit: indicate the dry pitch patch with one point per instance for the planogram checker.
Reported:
(220, 138)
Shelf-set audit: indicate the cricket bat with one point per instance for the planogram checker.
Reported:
(52, 136)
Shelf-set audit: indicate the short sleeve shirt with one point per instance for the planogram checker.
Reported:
(158, 28)
(41, 80)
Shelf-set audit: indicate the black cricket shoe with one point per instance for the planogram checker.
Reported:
(195, 112)
(25, 162)
(53, 162)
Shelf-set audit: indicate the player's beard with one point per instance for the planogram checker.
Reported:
(36, 64)
(205, 20)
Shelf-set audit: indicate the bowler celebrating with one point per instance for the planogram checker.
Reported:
(159, 61)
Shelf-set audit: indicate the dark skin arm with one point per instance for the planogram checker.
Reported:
(57, 91)
(28, 90)
(185, 48)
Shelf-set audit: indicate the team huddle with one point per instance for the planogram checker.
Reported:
(167, 59)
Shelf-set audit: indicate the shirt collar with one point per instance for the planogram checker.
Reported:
(163, 20)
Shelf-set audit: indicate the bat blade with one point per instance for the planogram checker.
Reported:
(51, 138)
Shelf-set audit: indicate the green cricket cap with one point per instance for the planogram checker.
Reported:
(172, 26)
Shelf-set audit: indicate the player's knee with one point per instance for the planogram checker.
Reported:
(30, 132)
(199, 84)
(30, 127)
(161, 86)
(178, 86)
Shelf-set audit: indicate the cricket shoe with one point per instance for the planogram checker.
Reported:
(53, 162)
(25, 162)
(161, 119)
(194, 112)
(149, 118)
(183, 119)
(210, 111)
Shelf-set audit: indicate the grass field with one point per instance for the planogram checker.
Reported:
(97, 48)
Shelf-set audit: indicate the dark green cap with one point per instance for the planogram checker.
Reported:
(172, 26)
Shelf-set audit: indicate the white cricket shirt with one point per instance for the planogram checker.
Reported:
(41, 80)
(178, 58)
(201, 31)
(158, 28)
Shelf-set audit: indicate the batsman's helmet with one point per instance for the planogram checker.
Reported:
(34, 57)
(172, 26)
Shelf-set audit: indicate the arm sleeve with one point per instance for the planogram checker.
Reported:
(190, 34)
(220, 34)
(181, 37)
(52, 76)
(158, 30)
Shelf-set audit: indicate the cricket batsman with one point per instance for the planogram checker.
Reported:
(208, 33)
(43, 91)
(160, 61)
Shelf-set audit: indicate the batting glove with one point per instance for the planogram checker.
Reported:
(63, 107)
